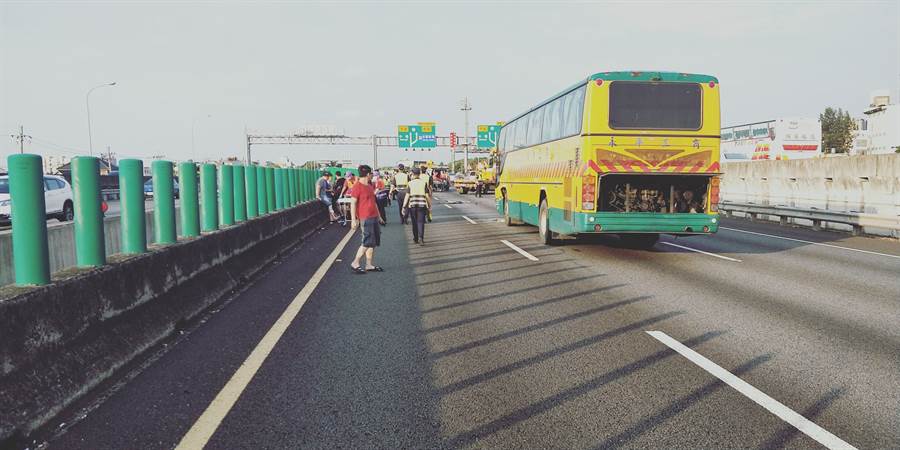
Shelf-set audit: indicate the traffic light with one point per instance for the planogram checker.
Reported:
(452, 140)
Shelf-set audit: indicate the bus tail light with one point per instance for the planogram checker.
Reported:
(714, 194)
(588, 193)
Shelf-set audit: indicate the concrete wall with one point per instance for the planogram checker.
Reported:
(868, 184)
(61, 241)
(59, 341)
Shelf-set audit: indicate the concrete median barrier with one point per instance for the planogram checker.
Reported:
(59, 341)
(859, 184)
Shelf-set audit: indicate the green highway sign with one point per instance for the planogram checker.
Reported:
(422, 135)
(487, 135)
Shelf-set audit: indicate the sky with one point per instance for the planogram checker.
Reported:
(193, 77)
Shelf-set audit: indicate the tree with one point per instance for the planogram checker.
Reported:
(837, 130)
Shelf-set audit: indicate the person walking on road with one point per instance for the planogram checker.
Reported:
(364, 215)
(417, 204)
(401, 180)
(323, 188)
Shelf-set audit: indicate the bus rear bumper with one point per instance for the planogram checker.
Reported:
(641, 222)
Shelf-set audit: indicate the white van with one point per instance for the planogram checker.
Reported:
(57, 199)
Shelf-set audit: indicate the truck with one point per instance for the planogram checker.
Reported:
(776, 139)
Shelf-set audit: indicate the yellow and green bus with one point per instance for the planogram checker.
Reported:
(630, 153)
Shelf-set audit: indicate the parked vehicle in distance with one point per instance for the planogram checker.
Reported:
(57, 199)
(148, 188)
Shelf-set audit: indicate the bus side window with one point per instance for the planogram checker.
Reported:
(501, 141)
(534, 126)
(547, 127)
(511, 135)
(522, 130)
(574, 110)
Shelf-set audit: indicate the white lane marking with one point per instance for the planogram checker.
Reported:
(799, 422)
(209, 421)
(470, 220)
(701, 251)
(811, 242)
(448, 206)
(521, 252)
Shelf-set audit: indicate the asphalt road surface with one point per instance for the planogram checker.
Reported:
(469, 343)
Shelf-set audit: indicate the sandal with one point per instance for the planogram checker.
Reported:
(357, 270)
(375, 269)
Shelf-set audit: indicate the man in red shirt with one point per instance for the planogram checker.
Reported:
(364, 210)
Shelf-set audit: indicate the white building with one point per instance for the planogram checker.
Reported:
(878, 130)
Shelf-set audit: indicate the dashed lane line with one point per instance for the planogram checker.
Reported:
(701, 251)
(799, 422)
(448, 206)
(203, 429)
(521, 252)
(470, 220)
(811, 242)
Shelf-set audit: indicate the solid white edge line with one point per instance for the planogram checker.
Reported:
(208, 422)
(448, 206)
(811, 242)
(701, 251)
(521, 252)
(470, 220)
(799, 422)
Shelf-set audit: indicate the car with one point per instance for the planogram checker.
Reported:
(148, 188)
(57, 199)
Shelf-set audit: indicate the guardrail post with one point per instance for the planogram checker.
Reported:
(133, 215)
(252, 196)
(817, 225)
(240, 194)
(279, 189)
(209, 193)
(857, 230)
(270, 189)
(190, 201)
(90, 247)
(226, 195)
(163, 202)
(31, 256)
(782, 220)
(262, 203)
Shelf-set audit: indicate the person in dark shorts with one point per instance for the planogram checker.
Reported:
(364, 214)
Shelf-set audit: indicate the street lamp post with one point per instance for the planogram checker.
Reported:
(465, 107)
(87, 101)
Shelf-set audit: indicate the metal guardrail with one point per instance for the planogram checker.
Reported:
(109, 194)
(855, 219)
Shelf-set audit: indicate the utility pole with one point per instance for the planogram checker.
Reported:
(21, 138)
(465, 108)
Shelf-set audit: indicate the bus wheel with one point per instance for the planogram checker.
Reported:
(639, 241)
(544, 224)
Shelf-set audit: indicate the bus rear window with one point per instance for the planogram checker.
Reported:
(654, 106)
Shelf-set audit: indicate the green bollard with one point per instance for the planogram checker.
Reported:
(208, 192)
(252, 196)
(90, 246)
(190, 201)
(292, 178)
(240, 194)
(286, 187)
(262, 203)
(226, 195)
(309, 195)
(31, 256)
(270, 189)
(133, 215)
(163, 203)
(279, 189)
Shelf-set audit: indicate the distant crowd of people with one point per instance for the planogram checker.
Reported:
(362, 201)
